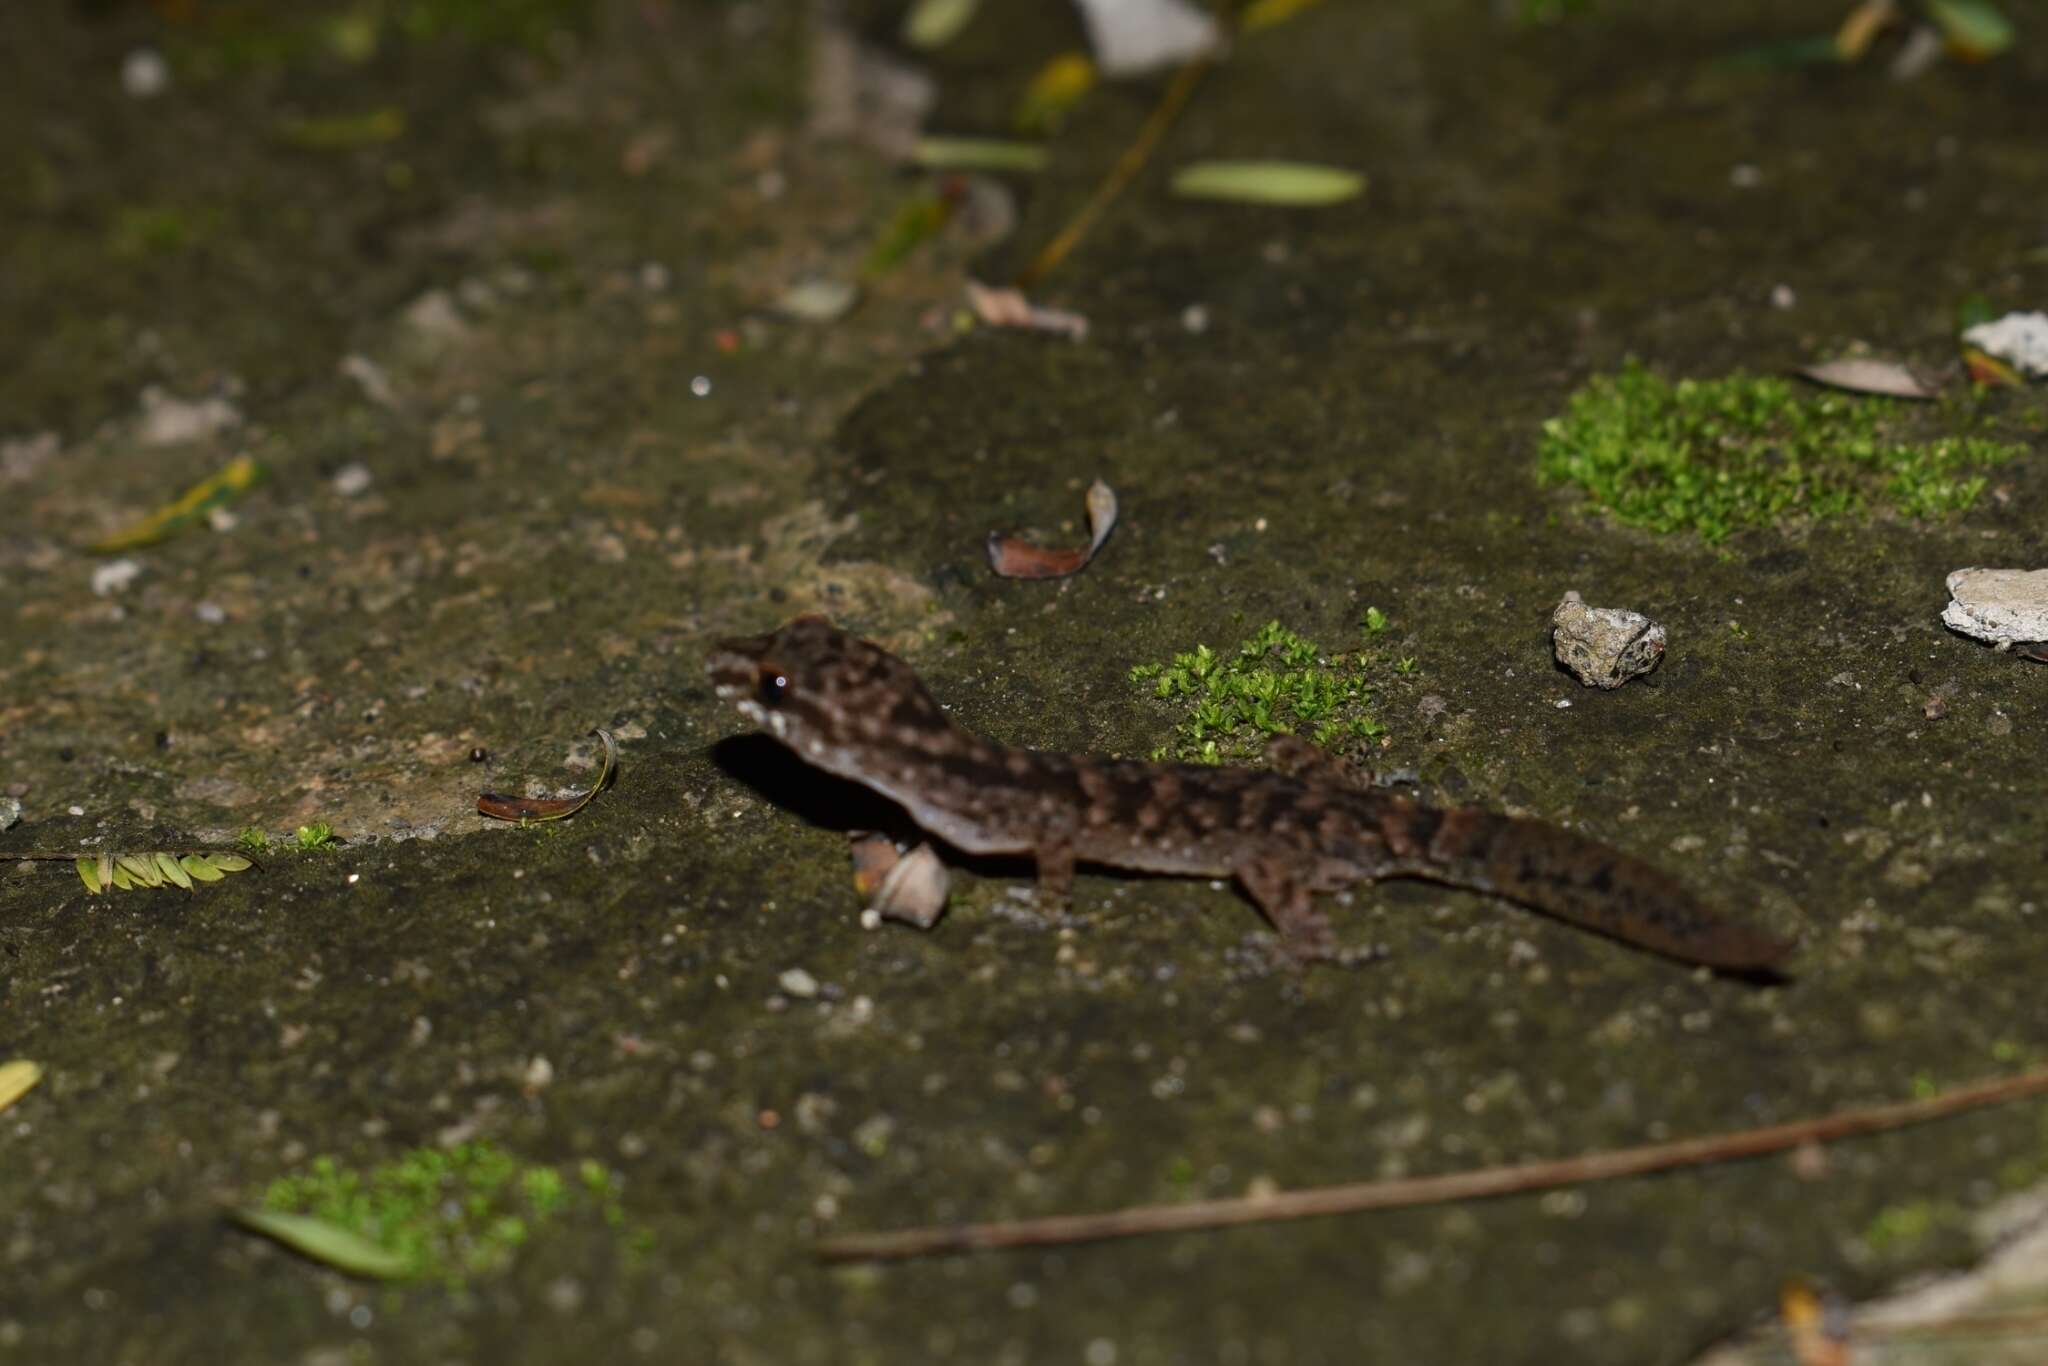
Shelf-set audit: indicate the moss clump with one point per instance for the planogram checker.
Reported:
(317, 838)
(448, 1215)
(1715, 456)
(1275, 683)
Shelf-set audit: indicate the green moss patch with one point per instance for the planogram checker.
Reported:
(1274, 683)
(1716, 456)
(446, 1216)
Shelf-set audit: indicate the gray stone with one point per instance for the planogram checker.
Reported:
(1604, 647)
(2003, 606)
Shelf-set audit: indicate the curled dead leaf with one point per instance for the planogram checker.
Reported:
(505, 807)
(1014, 558)
(914, 890)
(1009, 308)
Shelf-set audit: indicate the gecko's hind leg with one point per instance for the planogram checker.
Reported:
(1305, 932)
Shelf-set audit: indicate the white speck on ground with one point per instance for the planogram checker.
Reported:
(433, 318)
(168, 421)
(145, 74)
(798, 983)
(114, 576)
(370, 377)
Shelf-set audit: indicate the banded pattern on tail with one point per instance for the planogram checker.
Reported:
(1578, 880)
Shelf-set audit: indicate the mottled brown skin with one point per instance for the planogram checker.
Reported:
(1307, 824)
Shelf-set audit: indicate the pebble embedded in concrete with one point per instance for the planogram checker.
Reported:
(1604, 647)
(2005, 607)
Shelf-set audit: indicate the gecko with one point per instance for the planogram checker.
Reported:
(1303, 825)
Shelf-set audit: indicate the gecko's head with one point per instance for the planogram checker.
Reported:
(832, 697)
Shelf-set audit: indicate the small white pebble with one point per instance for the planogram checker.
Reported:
(798, 983)
(212, 613)
(352, 479)
(871, 919)
(1782, 298)
(1195, 318)
(114, 576)
(1100, 1352)
(654, 277)
(1563, 702)
(145, 74)
(371, 379)
(1745, 175)
(700, 385)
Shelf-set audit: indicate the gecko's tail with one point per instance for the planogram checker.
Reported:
(1586, 883)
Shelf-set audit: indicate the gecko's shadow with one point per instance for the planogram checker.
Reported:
(774, 774)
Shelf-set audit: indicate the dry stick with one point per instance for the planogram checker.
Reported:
(1427, 1190)
(1120, 176)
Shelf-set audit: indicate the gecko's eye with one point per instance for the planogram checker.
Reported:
(771, 687)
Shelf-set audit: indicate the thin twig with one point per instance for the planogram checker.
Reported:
(1121, 175)
(1428, 1190)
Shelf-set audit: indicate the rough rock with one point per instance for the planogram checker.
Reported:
(2003, 606)
(1604, 647)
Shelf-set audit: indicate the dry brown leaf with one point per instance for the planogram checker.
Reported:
(1009, 308)
(1015, 558)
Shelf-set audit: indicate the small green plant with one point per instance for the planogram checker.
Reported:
(1716, 456)
(253, 840)
(1275, 683)
(443, 1216)
(316, 838)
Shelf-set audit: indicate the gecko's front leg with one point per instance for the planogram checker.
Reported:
(1055, 859)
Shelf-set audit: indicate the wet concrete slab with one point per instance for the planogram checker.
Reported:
(596, 448)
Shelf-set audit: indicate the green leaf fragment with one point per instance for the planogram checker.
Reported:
(142, 867)
(934, 23)
(89, 874)
(173, 870)
(124, 879)
(229, 863)
(979, 154)
(1973, 29)
(17, 1079)
(329, 1244)
(1293, 184)
(200, 867)
(224, 486)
